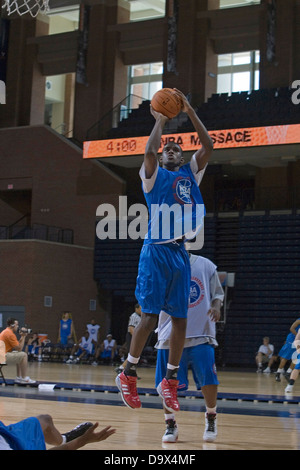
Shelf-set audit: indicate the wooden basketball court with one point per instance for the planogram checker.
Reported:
(253, 411)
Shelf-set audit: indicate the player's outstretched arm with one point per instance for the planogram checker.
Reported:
(153, 144)
(204, 153)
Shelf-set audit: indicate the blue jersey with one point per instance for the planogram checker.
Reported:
(24, 435)
(175, 206)
(65, 330)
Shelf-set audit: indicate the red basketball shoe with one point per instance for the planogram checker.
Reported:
(127, 386)
(167, 389)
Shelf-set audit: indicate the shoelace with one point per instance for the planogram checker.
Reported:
(170, 426)
(211, 423)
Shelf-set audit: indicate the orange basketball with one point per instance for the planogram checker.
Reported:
(167, 102)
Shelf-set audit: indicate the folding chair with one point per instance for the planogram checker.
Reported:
(2, 359)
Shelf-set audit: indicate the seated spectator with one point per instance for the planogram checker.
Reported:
(33, 433)
(265, 355)
(34, 347)
(81, 350)
(107, 350)
(14, 350)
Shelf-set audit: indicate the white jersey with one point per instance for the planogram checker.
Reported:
(86, 344)
(93, 331)
(205, 287)
(109, 345)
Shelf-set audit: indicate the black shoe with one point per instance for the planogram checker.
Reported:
(287, 376)
(277, 377)
(78, 431)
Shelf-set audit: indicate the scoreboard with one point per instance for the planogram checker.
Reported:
(222, 139)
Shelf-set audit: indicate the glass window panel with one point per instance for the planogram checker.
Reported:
(156, 68)
(224, 83)
(237, 3)
(140, 70)
(224, 60)
(256, 80)
(145, 79)
(154, 87)
(241, 58)
(241, 81)
(140, 89)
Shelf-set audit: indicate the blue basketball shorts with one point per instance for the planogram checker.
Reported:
(287, 351)
(163, 281)
(201, 360)
(24, 435)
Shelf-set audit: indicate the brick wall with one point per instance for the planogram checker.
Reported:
(32, 269)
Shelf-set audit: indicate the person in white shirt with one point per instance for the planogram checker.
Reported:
(81, 350)
(133, 322)
(94, 331)
(107, 350)
(206, 298)
(265, 355)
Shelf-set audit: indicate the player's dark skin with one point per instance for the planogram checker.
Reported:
(171, 159)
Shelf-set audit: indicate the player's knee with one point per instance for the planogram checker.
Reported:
(45, 420)
(148, 321)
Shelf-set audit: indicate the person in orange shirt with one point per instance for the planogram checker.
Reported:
(14, 350)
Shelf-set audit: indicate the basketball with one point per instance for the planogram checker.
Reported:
(167, 102)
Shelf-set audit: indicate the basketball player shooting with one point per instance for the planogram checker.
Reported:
(163, 281)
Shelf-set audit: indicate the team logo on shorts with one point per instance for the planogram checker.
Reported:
(196, 292)
(182, 190)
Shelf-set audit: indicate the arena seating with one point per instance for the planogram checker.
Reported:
(264, 107)
(266, 292)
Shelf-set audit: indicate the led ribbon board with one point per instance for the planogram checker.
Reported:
(222, 139)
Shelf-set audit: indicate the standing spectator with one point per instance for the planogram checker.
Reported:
(14, 350)
(66, 332)
(94, 333)
(265, 355)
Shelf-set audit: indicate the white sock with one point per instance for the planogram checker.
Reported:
(211, 410)
(169, 416)
(280, 370)
(289, 371)
(171, 367)
(133, 360)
